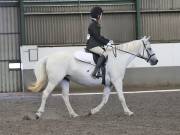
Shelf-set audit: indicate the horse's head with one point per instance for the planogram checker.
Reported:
(148, 53)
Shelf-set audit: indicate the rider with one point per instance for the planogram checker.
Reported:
(95, 41)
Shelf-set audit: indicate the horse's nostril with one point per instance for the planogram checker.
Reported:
(155, 62)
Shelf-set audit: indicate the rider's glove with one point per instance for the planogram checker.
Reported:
(109, 44)
(112, 42)
(88, 36)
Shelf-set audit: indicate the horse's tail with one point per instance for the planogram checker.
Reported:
(41, 76)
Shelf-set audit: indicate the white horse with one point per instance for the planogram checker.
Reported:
(56, 68)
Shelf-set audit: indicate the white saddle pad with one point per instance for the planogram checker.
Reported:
(84, 56)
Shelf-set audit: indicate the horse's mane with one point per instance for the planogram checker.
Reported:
(129, 46)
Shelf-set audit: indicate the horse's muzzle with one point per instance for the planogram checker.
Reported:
(154, 61)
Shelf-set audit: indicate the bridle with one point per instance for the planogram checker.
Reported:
(139, 56)
(148, 53)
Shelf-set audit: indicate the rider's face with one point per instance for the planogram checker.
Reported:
(100, 18)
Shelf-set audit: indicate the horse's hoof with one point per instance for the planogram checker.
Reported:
(89, 114)
(37, 117)
(74, 115)
(26, 117)
(129, 113)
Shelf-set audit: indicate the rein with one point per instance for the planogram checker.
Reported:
(139, 56)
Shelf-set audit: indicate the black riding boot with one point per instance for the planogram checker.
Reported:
(100, 61)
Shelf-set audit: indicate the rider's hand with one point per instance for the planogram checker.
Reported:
(88, 36)
(109, 44)
(112, 42)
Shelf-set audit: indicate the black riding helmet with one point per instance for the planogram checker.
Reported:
(96, 11)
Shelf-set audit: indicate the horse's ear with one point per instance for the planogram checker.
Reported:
(144, 37)
(148, 38)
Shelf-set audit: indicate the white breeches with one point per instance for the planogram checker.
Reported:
(98, 50)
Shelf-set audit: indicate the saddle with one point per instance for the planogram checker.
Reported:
(91, 58)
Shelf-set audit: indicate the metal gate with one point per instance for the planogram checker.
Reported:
(10, 75)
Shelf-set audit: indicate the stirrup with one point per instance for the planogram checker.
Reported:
(97, 75)
(93, 76)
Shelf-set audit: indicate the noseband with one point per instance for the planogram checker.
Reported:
(148, 53)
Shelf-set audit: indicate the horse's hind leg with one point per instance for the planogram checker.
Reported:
(106, 93)
(49, 88)
(65, 95)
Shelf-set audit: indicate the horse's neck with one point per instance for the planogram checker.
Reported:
(133, 47)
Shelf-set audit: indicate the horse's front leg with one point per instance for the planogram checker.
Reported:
(118, 86)
(65, 95)
(106, 93)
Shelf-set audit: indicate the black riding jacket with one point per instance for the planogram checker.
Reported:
(94, 30)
